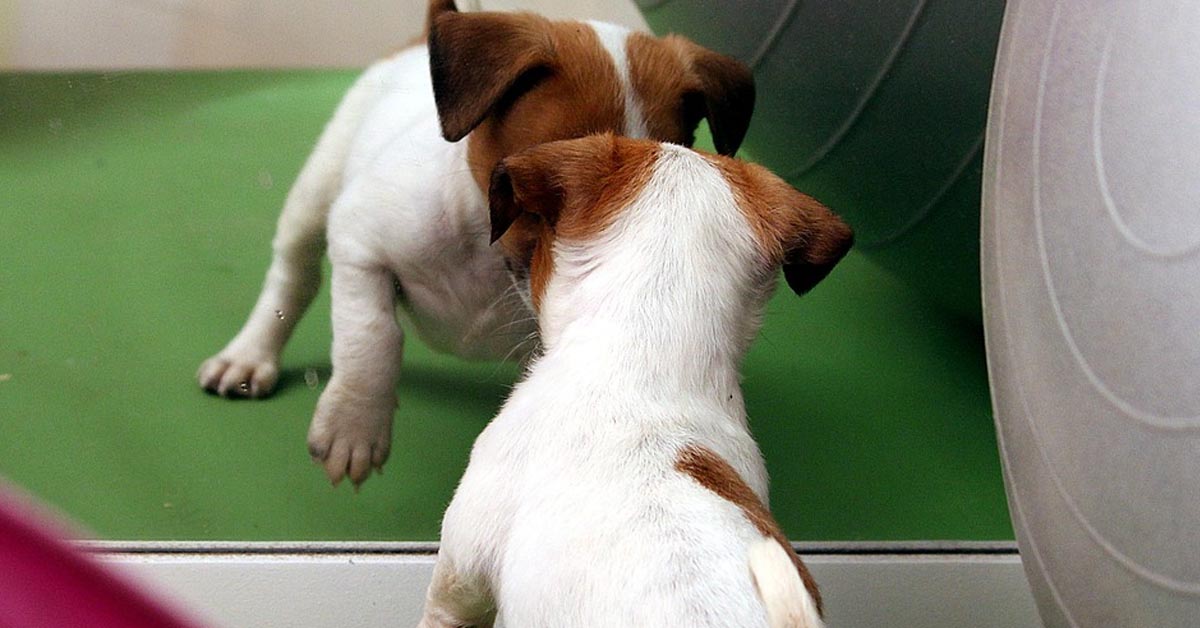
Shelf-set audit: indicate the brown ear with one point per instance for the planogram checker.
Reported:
(822, 240)
(522, 183)
(817, 249)
(475, 59)
(794, 229)
(436, 8)
(540, 179)
(727, 88)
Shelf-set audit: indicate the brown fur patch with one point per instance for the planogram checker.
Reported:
(478, 60)
(436, 8)
(571, 189)
(678, 82)
(662, 80)
(716, 475)
(794, 229)
(609, 173)
(574, 92)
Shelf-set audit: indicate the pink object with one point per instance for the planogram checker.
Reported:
(44, 583)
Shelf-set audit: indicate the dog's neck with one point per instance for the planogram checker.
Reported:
(654, 350)
(667, 298)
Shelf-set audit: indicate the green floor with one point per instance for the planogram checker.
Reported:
(135, 216)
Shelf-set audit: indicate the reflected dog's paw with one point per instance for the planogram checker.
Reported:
(350, 436)
(239, 374)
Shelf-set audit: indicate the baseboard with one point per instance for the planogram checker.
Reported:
(353, 585)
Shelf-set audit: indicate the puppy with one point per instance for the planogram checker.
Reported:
(400, 201)
(619, 485)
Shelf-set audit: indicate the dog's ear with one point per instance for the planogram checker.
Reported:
(436, 8)
(522, 183)
(476, 59)
(795, 230)
(726, 92)
(822, 240)
(541, 179)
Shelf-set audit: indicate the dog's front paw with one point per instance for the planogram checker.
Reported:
(350, 435)
(239, 374)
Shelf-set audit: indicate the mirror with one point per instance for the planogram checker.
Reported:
(146, 149)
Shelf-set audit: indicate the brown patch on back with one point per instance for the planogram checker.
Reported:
(574, 92)
(716, 475)
(794, 229)
(571, 189)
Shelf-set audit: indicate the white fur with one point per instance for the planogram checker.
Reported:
(788, 603)
(571, 512)
(614, 39)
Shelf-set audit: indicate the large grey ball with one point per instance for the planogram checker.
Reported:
(1091, 272)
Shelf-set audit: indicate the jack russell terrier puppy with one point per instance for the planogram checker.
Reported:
(401, 203)
(619, 485)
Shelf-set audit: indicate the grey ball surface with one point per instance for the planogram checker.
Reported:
(1091, 274)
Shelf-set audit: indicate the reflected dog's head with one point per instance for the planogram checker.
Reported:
(516, 80)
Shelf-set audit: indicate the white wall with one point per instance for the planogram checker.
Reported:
(126, 34)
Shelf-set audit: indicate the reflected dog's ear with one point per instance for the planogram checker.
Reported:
(726, 88)
(436, 8)
(478, 59)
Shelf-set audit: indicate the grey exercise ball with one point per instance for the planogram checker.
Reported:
(876, 108)
(1091, 273)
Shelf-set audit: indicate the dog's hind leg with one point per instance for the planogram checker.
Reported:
(455, 600)
(249, 365)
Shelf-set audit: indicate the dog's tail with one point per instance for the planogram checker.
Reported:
(788, 602)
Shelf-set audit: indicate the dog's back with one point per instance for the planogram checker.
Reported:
(614, 509)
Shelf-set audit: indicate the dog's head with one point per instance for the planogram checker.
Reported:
(665, 214)
(514, 80)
